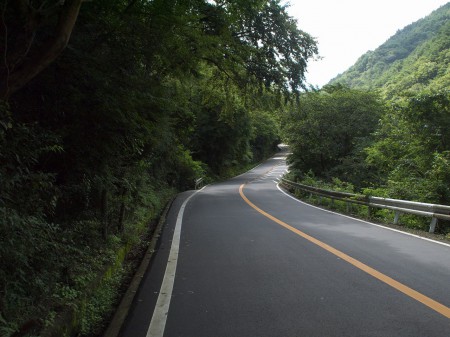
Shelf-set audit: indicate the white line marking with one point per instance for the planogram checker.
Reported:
(370, 223)
(159, 318)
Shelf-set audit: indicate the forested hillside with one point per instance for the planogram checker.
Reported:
(109, 108)
(416, 58)
(381, 127)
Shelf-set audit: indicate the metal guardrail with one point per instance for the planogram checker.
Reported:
(398, 206)
(199, 182)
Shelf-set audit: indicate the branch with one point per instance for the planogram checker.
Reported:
(47, 54)
(218, 66)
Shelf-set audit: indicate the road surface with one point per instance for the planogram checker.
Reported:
(247, 260)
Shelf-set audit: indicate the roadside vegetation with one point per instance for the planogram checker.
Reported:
(354, 141)
(381, 127)
(97, 137)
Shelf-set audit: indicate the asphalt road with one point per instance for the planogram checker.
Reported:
(253, 262)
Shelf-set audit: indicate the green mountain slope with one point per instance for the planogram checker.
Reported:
(416, 58)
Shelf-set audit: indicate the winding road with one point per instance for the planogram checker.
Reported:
(242, 258)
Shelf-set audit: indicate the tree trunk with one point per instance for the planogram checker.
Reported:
(38, 60)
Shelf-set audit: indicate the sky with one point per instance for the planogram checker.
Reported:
(346, 29)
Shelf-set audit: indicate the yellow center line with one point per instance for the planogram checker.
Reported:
(436, 306)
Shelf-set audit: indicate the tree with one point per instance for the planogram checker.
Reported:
(255, 42)
(327, 130)
(222, 129)
(265, 133)
(277, 49)
(26, 53)
(412, 149)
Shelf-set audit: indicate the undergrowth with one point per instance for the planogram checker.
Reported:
(374, 214)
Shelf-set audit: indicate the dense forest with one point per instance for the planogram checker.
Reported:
(381, 127)
(109, 108)
(415, 59)
(355, 140)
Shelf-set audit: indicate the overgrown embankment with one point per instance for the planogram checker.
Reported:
(95, 137)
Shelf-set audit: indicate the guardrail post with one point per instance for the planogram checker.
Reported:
(398, 206)
(397, 215)
(198, 182)
(369, 212)
(433, 224)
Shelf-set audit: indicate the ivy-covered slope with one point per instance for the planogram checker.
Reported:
(416, 58)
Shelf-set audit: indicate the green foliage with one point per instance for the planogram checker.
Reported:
(265, 134)
(415, 59)
(277, 50)
(328, 130)
(96, 307)
(222, 125)
(412, 149)
(148, 97)
(401, 151)
(335, 184)
(20, 169)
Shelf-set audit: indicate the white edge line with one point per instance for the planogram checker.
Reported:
(159, 318)
(363, 221)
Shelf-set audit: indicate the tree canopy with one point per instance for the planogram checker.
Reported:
(109, 108)
(328, 129)
(412, 149)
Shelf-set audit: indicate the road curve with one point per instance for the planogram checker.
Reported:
(246, 259)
